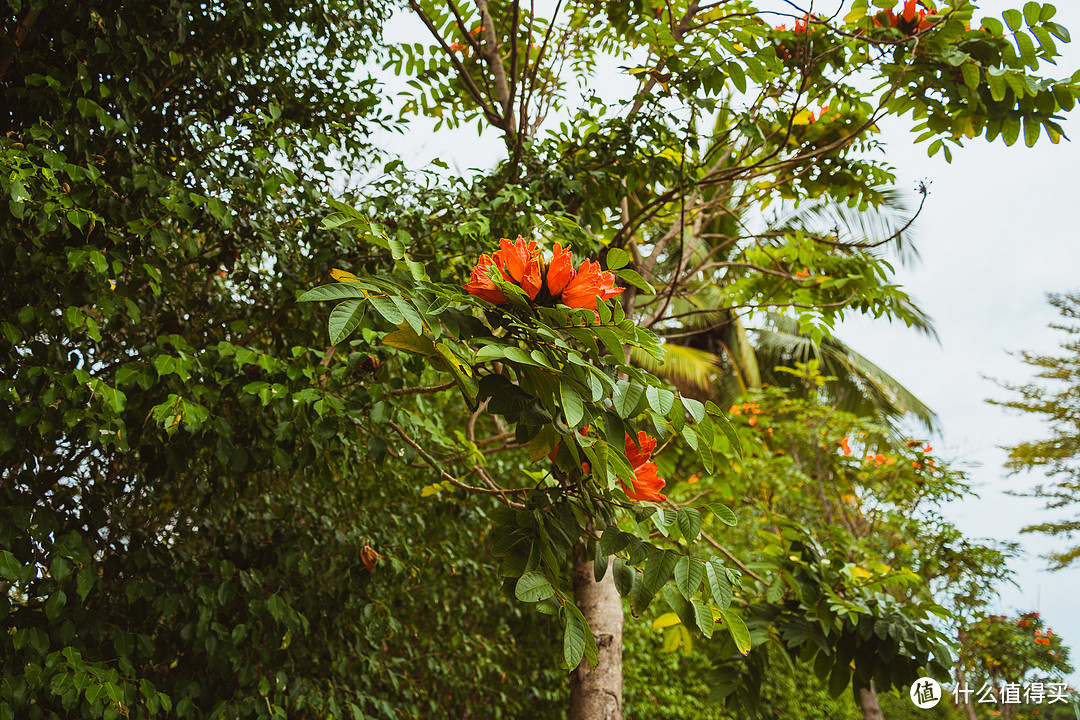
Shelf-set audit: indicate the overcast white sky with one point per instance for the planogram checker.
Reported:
(999, 231)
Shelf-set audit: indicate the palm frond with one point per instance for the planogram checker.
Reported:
(685, 366)
(860, 387)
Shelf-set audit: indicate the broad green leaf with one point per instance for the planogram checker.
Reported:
(344, 318)
(688, 574)
(997, 84)
(337, 291)
(660, 400)
(972, 76)
(658, 569)
(723, 513)
(719, 583)
(689, 520)
(405, 339)
(573, 410)
(738, 631)
(1031, 131)
(533, 587)
(632, 277)
(617, 258)
(625, 397)
(578, 640)
(623, 575)
(704, 616)
(386, 307)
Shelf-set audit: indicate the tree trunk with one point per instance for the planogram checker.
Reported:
(596, 694)
(961, 682)
(871, 709)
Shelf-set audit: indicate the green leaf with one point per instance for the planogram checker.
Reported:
(841, 673)
(660, 400)
(738, 631)
(972, 76)
(695, 408)
(658, 569)
(1031, 131)
(723, 513)
(704, 617)
(578, 641)
(344, 319)
(337, 291)
(617, 258)
(1032, 11)
(625, 398)
(1010, 130)
(720, 419)
(600, 561)
(719, 583)
(632, 277)
(405, 339)
(573, 410)
(688, 574)
(387, 308)
(10, 568)
(997, 84)
(533, 587)
(689, 520)
(623, 575)
(1013, 19)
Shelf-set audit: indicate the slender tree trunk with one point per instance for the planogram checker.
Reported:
(961, 682)
(596, 694)
(871, 709)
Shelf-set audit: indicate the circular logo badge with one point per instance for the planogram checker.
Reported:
(925, 693)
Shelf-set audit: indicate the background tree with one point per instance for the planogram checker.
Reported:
(1058, 456)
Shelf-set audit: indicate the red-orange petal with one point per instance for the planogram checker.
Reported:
(560, 270)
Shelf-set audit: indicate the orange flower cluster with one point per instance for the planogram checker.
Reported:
(555, 282)
(801, 26)
(911, 20)
(1042, 641)
(747, 408)
(647, 485)
(881, 459)
(845, 447)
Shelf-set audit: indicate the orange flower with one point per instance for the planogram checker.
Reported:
(480, 283)
(588, 284)
(1022, 623)
(1042, 641)
(369, 557)
(647, 485)
(927, 449)
(803, 273)
(560, 270)
(911, 20)
(845, 447)
(521, 262)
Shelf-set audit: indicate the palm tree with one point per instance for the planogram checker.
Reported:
(712, 351)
